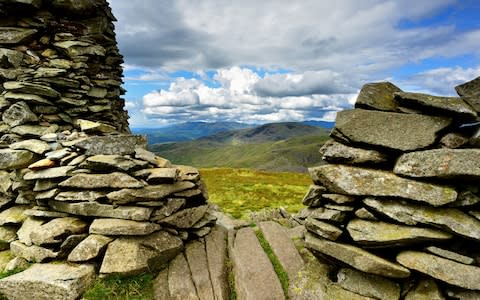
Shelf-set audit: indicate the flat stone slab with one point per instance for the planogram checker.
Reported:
(425, 289)
(356, 257)
(376, 233)
(313, 197)
(32, 253)
(114, 144)
(13, 215)
(470, 88)
(443, 269)
(49, 173)
(48, 281)
(15, 35)
(180, 282)
(76, 196)
(377, 96)
(451, 219)
(368, 285)
(186, 218)
(148, 193)
(323, 229)
(447, 106)
(282, 246)
(451, 255)
(122, 227)
(91, 247)
(94, 209)
(396, 131)
(96, 181)
(255, 277)
(35, 146)
(216, 249)
(335, 152)
(113, 162)
(196, 256)
(56, 230)
(440, 163)
(367, 182)
(15, 159)
(31, 88)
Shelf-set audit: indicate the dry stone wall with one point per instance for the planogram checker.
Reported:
(396, 210)
(74, 184)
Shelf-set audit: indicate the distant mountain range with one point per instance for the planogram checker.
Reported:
(193, 130)
(276, 147)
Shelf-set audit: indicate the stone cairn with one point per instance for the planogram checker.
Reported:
(74, 184)
(396, 210)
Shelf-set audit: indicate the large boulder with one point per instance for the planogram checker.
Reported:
(395, 131)
(377, 96)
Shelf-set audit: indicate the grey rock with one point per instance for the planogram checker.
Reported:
(57, 230)
(31, 88)
(461, 294)
(162, 175)
(368, 182)
(196, 256)
(90, 248)
(145, 155)
(135, 255)
(449, 106)
(216, 249)
(89, 126)
(17, 114)
(69, 243)
(470, 88)
(440, 163)
(367, 284)
(118, 144)
(34, 130)
(356, 257)
(451, 272)
(17, 263)
(396, 131)
(112, 162)
(282, 246)
(345, 208)
(45, 195)
(96, 181)
(180, 282)
(451, 219)
(323, 229)
(376, 233)
(454, 140)
(364, 214)
(13, 215)
(32, 253)
(451, 255)
(187, 173)
(5, 182)
(165, 209)
(313, 197)
(13, 57)
(78, 196)
(255, 277)
(77, 48)
(44, 212)
(321, 213)
(148, 193)
(93, 209)
(7, 235)
(48, 282)
(335, 152)
(28, 98)
(58, 154)
(15, 35)
(425, 289)
(377, 96)
(465, 198)
(49, 173)
(35, 146)
(160, 286)
(15, 159)
(28, 226)
(122, 227)
(185, 218)
(340, 199)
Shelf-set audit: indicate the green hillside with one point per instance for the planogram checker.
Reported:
(274, 147)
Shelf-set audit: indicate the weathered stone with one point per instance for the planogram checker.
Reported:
(145, 155)
(89, 126)
(180, 282)
(160, 286)
(42, 164)
(122, 227)
(49, 72)
(115, 144)
(69, 243)
(440, 163)
(451, 272)
(44, 212)
(31, 88)
(216, 248)
(167, 208)
(28, 98)
(7, 235)
(32, 253)
(57, 230)
(17, 114)
(367, 284)
(34, 130)
(465, 198)
(323, 229)
(335, 152)
(34, 146)
(461, 294)
(322, 213)
(5, 182)
(425, 289)
(344, 208)
(377, 96)
(89, 248)
(162, 175)
(93, 209)
(13, 215)
(130, 255)
(364, 214)
(15, 35)
(75, 196)
(255, 277)
(396, 131)
(15, 159)
(451, 255)
(17, 263)
(339, 199)
(96, 181)
(48, 282)
(45, 195)
(185, 218)
(148, 193)
(13, 57)
(196, 256)
(449, 106)
(450, 219)
(49, 173)
(470, 88)
(187, 172)
(28, 226)
(356, 257)
(367, 182)
(371, 233)
(112, 162)
(454, 140)
(313, 197)
(282, 246)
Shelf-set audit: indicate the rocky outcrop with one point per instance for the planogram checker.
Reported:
(398, 196)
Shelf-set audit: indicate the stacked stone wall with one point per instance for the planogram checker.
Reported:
(396, 209)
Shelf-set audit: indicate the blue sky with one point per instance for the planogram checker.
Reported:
(277, 60)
